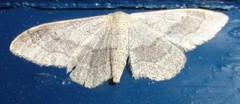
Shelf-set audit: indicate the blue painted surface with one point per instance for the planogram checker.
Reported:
(211, 74)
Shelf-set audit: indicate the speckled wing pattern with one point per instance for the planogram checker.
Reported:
(186, 28)
(95, 49)
(153, 56)
(80, 44)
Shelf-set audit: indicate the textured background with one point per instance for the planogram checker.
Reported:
(211, 74)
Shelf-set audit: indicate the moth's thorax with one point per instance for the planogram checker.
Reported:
(120, 17)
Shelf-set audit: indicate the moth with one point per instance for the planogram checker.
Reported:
(95, 49)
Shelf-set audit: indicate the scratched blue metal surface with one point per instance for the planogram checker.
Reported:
(211, 74)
